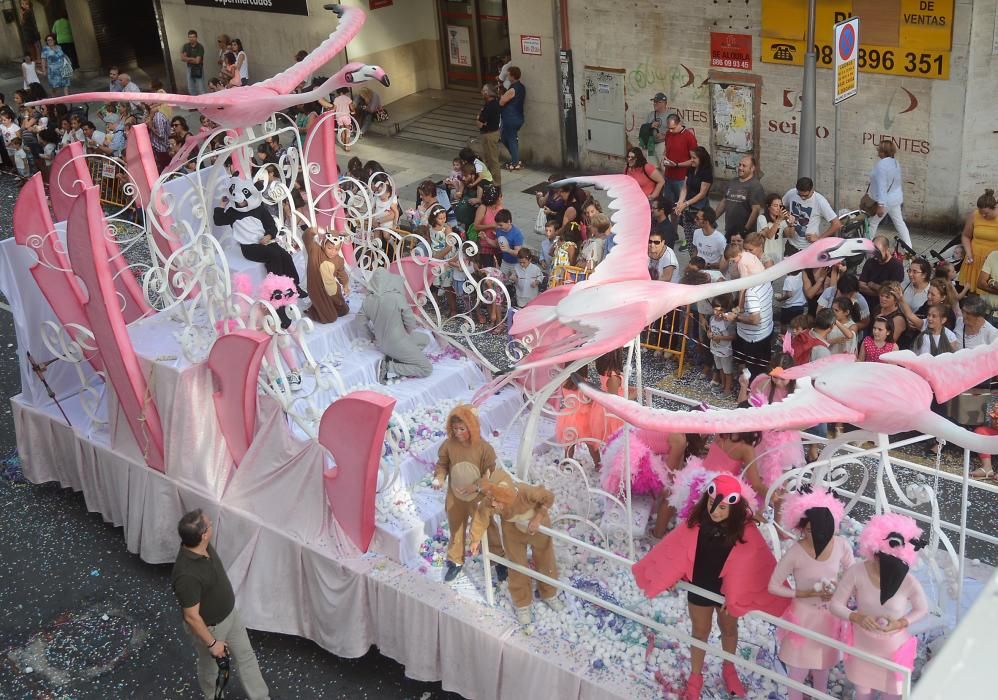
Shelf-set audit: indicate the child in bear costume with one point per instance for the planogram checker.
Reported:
(255, 230)
(387, 308)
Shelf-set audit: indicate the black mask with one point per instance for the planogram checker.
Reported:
(892, 573)
(822, 528)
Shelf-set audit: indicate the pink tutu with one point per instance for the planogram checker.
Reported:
(778, 451)
(802, 652)
(898, 646)
(649, 473)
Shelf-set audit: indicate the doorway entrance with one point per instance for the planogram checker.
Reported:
(475, 36)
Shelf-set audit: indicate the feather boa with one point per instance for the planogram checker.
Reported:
(649, 473)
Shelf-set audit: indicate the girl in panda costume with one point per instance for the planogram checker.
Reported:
(255, 229)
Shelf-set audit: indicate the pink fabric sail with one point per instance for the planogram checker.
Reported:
(34, 229)
(85, 235)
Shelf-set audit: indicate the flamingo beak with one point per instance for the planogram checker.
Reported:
(384, 79)
(849, 247)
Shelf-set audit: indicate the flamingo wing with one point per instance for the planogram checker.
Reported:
(631, 219)
(592, 335)
(951, 373)
(805, 407)
(351, 20)
(215, 99)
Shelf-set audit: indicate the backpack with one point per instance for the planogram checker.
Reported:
(464, 212)
(803, 344)
(646, 138)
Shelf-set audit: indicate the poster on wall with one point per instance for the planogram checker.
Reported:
(733, 109)
(285, 7)
(458, 45)
(731, 50)
(530, 45)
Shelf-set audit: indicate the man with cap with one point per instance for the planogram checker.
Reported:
(655, 127)
(465, 460)
(522, 509)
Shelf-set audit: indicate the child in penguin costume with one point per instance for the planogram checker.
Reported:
(255, 229)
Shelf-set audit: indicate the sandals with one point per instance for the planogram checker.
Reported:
(982, 473)
(511, 167)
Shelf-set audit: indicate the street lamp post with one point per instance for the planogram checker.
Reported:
(807, 155)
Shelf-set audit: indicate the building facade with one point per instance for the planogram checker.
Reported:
(733, 70)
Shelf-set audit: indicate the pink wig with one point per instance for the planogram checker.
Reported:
(795, 505)
(873, 539)
(277, 283)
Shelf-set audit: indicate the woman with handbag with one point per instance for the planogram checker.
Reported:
(56, 65)
(885, 196)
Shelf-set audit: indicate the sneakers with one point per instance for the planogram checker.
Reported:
(694, 686)
(452, 571)
(294, 380)
(554, 602)
(731, 680)
(523, 616)
(502, 573)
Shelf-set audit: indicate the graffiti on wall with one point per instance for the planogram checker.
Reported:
(688, 96)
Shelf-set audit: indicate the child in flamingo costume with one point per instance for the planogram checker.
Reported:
(816, 562)
(720, 550)
(889, 599)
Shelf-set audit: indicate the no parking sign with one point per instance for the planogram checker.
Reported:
(846, 59)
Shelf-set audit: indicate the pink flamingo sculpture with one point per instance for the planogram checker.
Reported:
(610, 309)
(248, 105)
(878, 397)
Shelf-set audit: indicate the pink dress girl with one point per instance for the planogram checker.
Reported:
(572, 423)
(817, 517)
(872, 352)
(602, 426)
(889, 544)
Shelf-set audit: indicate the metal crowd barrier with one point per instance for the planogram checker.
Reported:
(109, 176)
(669, 336)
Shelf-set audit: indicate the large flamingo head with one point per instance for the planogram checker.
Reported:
(827, 251)
(355, 73)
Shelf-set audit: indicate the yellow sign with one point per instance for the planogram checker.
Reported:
(902, 37)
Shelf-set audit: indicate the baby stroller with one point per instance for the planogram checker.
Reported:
(854, 225)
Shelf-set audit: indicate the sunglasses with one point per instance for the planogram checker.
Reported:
(335, 240)
(654, 242)
(277, 294)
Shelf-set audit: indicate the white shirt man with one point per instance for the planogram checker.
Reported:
(128, 86)
(809, 208)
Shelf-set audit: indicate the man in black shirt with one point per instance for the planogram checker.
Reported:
(488, 125)
(743, 199)
(661, 211)
(209, 607)
(882, 267)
